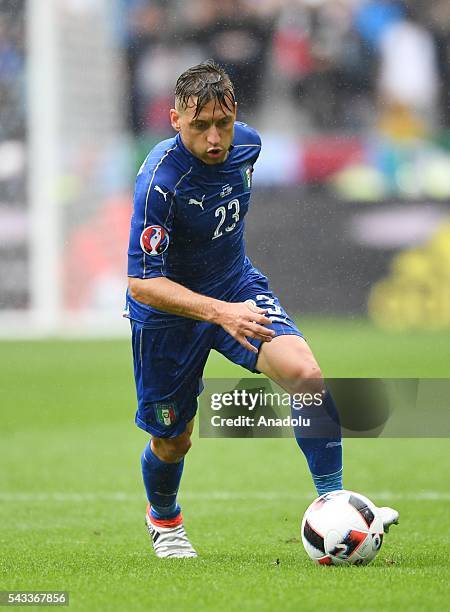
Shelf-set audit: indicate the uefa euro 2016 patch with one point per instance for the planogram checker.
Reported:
(165, 414)
(154, 240)
(247, 172)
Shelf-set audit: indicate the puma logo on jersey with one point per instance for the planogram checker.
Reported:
(159, 190)
(195, 202)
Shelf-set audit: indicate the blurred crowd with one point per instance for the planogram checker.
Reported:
(346, 65)
(352, 95)
(12, 102)
(12, 60)
(12, 147)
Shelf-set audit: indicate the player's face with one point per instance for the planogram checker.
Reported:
(209, 135)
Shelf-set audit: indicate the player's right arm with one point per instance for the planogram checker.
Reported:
(240, 319)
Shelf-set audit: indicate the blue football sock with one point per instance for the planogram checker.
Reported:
(161, 480)
(324, 452)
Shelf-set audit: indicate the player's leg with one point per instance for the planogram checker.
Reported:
(289, 361)
(168, 365)
(162, 467)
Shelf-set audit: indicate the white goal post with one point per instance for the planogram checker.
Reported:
(77, 172)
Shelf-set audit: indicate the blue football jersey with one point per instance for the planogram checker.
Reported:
(188, 219)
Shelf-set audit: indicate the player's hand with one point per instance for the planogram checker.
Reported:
(244, 320)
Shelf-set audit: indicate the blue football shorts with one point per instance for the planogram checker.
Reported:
(169, 361)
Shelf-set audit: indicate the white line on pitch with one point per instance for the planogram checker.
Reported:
(209, 496)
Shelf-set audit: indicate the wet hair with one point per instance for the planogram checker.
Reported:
(206, 81)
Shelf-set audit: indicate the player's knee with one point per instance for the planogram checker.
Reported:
(172, 450)
(306, 377)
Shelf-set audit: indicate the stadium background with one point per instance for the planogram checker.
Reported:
(352, 190)
(350, 220)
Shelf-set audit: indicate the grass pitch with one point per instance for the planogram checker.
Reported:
(72, 502)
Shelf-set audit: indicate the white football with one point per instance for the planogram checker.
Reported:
(342, 528)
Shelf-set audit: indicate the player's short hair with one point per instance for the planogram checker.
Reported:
(206, 81)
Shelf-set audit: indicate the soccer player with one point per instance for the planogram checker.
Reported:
(192, 289)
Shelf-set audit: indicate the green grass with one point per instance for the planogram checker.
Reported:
(71, 499)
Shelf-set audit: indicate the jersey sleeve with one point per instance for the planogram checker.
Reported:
(256, 142)
(248, 140)
(151, 226)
